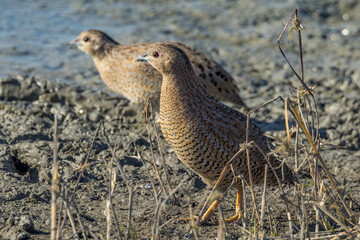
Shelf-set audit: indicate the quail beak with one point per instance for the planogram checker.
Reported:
(143, 58)
(75, 43)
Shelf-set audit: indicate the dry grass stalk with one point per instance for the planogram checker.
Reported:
(221, 228)
(301, 107)
(67, 214)
(248, 152)
(112, 182)
(263, 204)
(282, 191)
(296, 150)
(304, 217)
(287, 122)
(139, 156)
(54, 184)
(192, 222)
(71, 219)
(278, 180)
(317, 212)
(67, 201)
(108, 219)
(84, 164)
(118, 165)
(59, 227)
(128, 185)
(109, 205)
(61, 214)
(82, 227)
(130, 206)
(160, 206)
(273, 227)
(147, 114)
(166, 171)
(244, 216)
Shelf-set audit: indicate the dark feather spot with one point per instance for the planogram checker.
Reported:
(219, 89)
(201, 67)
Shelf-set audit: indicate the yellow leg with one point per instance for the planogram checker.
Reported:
(215, 205)
(209, 212)
(206, 215)
(237, 215)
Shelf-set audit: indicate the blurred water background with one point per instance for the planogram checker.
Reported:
(34, 35)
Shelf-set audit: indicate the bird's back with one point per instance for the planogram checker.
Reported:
(137, 82)
(218, 82)
(121, 72)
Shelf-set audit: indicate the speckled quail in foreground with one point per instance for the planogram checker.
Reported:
(137, 82)
(205, 133)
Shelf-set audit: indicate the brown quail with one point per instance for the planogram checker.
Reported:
(203, 132)
(137, 82)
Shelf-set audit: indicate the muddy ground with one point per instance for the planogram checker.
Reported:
(239, 35)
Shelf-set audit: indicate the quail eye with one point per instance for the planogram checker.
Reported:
(156, 54)
(86, 39)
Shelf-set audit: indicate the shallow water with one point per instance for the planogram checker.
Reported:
(34, 35)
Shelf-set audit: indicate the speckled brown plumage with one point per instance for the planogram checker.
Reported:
(119, 70)
(203, 132)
